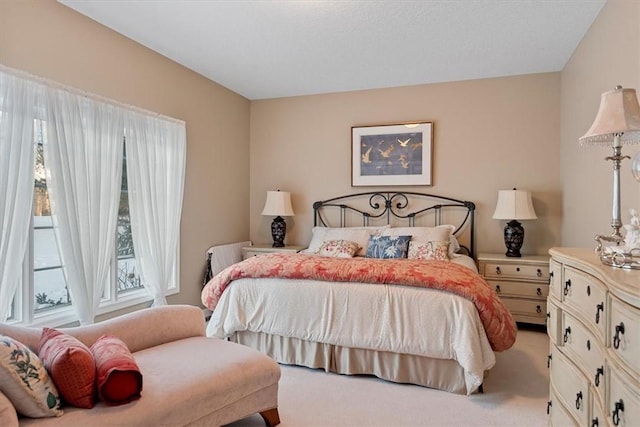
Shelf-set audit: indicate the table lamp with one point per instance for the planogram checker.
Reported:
(514, 205)
(616, 124)
(278, 204)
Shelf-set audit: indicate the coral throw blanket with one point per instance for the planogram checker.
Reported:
(441, 275)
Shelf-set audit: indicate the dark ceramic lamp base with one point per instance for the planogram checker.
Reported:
(513, 238)
(278, 231)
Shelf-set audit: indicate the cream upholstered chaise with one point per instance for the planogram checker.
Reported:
(188, 379)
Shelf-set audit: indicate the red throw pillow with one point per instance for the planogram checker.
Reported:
(71, 367)
(119, 378)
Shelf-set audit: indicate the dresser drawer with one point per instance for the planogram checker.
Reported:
(554, 322)
(585, 350)
(555, 279)
(516, 271)
(587, 296)
(571, 386)
(598, 418)
(624, 333)
(623, 403)
(558, 415)
(520, 289)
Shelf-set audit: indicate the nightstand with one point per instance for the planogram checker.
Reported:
(521, 283)
(249, 251)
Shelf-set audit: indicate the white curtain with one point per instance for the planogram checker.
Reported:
(84, 159)
(156, 153)
(17, 111)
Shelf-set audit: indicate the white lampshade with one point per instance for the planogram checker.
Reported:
(278, 204)
(619, 113)
(514, 204)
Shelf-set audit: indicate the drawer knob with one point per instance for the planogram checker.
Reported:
(551, 274)
(539, 273)
(549, 404)
(538, 309)
(498, 271)
(578, 400)
(539, 292)
(615, 415)
(567, 332)
(517, 268)
(616, 337)
(588, 345)
(498, 290)
(549, 358)
(599, 373)
(594, 422)
(567, 285)
(588, 290)
(599, 308)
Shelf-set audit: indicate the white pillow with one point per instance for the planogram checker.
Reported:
(338, 248)
(25, 381)
(359, 235)
(429, 250)
(439, 233)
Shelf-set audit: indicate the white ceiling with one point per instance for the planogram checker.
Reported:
(268, 49)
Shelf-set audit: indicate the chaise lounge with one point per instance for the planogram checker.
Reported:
(188, 379)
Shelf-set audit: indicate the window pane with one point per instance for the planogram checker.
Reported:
(128, 271)
(50, 289)
(45, 250)
(128, 277)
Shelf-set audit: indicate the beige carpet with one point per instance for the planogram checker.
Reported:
(515, 394)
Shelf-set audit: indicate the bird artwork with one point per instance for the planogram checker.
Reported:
(404, 162)
(365, 156)
(404, 143)
(386, 153)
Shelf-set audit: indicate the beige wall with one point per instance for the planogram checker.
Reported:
(488, 135)
(50, 40)
(608, 55)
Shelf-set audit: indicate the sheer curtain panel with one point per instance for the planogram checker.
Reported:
(83, 161)
(156, 153)
(17, 111)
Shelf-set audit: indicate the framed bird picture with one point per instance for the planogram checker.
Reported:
(396, 154)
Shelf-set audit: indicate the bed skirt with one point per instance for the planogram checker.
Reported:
(440, 374)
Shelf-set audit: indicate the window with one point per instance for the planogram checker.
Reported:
(68, 179)
(44, 277)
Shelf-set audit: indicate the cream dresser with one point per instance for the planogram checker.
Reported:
(593, 315)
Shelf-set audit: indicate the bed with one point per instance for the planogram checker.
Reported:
(424, 316)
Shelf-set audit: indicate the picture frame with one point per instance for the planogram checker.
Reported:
(394, 154)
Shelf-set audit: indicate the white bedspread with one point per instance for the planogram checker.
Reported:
(399, 319)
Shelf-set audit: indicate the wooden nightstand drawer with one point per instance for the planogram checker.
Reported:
(521, 289)
(516, 271)
(527, 307)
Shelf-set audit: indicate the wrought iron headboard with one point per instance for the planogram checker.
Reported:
(394, 207)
